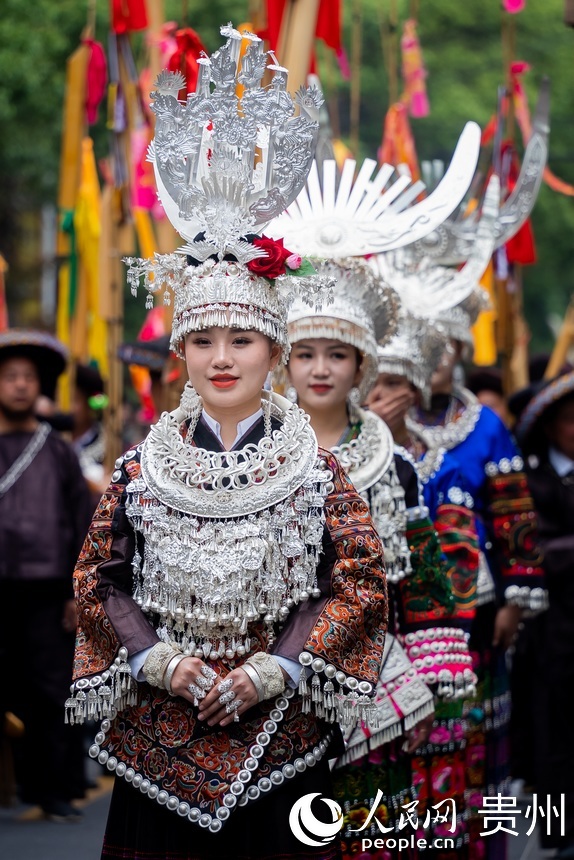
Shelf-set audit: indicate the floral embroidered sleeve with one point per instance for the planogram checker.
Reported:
(110, 623)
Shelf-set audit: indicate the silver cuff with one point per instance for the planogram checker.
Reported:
(269, 672)
(171, 667)
(249, 670)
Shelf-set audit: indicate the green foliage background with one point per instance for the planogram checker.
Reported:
(463, 54)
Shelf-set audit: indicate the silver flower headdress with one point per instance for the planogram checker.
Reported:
(361, 304)
(225, 165)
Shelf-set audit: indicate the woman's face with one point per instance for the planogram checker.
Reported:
(228, 367)
(391, 398)
(323, 372)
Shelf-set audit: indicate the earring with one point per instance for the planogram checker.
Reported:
(191, 403)
(447, 355)
(267, 418)
(458, 376)
(354, 397)
(291, 393)
(353, 401)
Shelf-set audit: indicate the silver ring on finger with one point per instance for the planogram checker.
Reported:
(203, 683)
(233, 706)
(208, 673)
(226, 697)
(225, 685)
(195, 691)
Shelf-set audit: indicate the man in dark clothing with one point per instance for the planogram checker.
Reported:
(44, 514)
(545, 431)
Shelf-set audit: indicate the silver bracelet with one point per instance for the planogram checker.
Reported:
(269, 672)
(171, 667)
(249, 670)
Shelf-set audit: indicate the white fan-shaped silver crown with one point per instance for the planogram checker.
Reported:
(346, 216)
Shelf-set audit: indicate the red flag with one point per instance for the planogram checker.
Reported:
(128, 15)
(96, 79)
(328, 23)
(185, 57)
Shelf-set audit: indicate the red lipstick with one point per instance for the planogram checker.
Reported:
(223, 381)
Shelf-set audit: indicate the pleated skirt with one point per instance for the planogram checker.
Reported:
(138, 828)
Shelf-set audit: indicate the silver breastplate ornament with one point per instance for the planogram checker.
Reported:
(231, 538)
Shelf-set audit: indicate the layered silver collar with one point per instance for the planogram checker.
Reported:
(229, 483)
(452, 433)
(368, 457)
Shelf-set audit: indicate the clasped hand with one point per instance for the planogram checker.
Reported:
(210, 708)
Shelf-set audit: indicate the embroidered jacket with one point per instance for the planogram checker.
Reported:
(506, 519)
(423, 619)
(153, 739)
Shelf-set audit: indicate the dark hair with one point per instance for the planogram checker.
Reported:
(485, 379)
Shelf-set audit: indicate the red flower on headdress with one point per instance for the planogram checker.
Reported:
(274, 263)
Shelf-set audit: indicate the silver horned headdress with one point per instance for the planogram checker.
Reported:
(447, 297)
(225, 165)
(451, 242)
(346, 216)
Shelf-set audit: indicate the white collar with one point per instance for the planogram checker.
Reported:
(242, 426)
(560, 462)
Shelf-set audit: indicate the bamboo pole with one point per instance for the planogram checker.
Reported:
(514, 358)
(111, 308)
(74, 124)
(356, 56)
(296, 40)
(564, 343)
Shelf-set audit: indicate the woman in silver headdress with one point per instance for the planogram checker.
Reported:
(510, 577)
(231, 591)
(332, 366)
(405, 366)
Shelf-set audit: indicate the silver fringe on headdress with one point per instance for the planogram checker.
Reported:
(360, 305)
